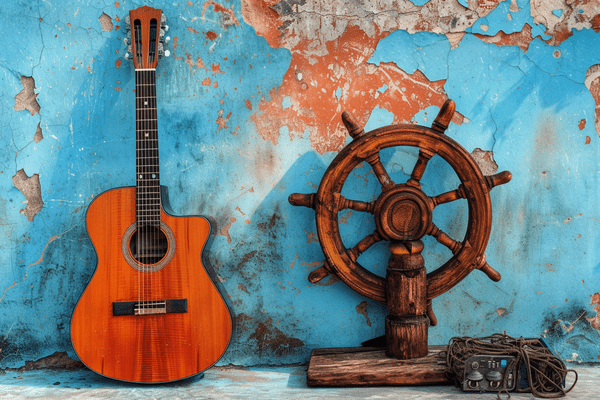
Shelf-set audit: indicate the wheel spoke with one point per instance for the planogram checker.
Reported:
(499, 179)
(364, 244)
(356, 205)
(380, 171)
(320, 273)
(448, 197)
(444, 239)
(419, 169)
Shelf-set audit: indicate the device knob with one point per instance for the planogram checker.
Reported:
(475, 376)
(493, 376)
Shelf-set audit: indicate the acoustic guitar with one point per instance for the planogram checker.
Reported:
(150, 313)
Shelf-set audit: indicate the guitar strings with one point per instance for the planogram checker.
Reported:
(148, 201)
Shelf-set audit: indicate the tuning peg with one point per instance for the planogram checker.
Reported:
(161, 36)
(162, 52)
(128, 56)
(163, 19)
(167, 39)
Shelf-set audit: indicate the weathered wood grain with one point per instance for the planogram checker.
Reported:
(368, 366)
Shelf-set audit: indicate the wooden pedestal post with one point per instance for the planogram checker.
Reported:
(406, 292)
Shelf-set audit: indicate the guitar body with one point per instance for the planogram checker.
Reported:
(192, 333)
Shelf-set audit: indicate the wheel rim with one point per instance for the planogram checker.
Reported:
(466, 254)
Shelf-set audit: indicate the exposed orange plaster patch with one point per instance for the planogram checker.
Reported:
(224, 231)
(249, 104)
(215, 84)
(316, 83)
(200, 63)
(344, 219)
(247, 221)
(596, 27)
(216, 68)
(294, 262)
(362, 309)
(118, 89)
(310, 237)
(238, 209)
(222, 122)
(89, 69)
(588, 140)
(118, 63)
(210, 35)
(206, 82)
(581, 124)
(68, 24)
(264, 19)
(175, 39)
(595, 321)
(243, 287)
(117, 4)
(593, 85)
(522, 38)
(192, 30)
(232, 20)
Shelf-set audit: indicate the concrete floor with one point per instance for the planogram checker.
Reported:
(240, 383)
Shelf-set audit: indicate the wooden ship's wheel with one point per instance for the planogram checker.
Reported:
(403, 216)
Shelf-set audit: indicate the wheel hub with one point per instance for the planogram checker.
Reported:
(402, 213)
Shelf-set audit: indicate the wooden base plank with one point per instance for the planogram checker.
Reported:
(369, 366)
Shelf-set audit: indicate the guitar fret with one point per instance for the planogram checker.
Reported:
(148, 193)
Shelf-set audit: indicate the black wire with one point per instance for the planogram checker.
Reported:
(545, 372)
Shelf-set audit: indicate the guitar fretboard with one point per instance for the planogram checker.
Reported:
(146, 132)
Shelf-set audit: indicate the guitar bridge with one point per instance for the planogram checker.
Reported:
(151, 307)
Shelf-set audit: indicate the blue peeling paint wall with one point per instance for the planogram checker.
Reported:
(249, 106)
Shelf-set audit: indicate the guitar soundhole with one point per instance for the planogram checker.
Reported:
(148, 248)
(148, 245)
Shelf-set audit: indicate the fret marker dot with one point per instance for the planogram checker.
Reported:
(146, 134)
(145, 103)
(153, 176)
(141, 176)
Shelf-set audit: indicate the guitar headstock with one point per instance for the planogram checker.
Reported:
(146, 27)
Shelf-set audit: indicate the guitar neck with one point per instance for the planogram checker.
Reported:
(146, 133)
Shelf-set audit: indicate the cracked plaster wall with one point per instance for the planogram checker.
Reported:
(249, 112)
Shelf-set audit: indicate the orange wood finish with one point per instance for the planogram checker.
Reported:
(145, 14)
(150, 348)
